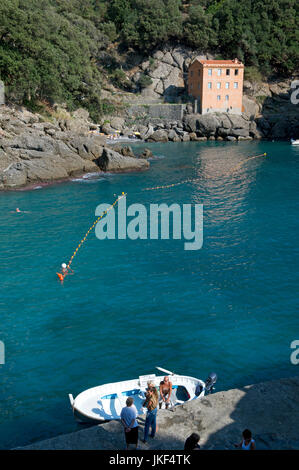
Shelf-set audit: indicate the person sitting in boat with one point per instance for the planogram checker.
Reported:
(165, 392)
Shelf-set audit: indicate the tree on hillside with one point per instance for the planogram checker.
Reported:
(48, 56)
(262, 32)
(146, 24)
(199, 30)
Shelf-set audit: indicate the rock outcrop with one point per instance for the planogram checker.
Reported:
(276, 114)
(35, 151)
(114, 161)
(167, 69)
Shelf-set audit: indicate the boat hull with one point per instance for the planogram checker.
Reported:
(104, 403)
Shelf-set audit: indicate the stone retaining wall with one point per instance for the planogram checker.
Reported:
(160, 111)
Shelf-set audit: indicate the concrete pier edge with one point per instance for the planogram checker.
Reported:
(269, 409)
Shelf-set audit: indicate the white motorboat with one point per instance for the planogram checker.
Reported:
(295, 141)
(105, 402)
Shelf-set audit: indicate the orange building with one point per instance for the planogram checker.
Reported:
(217, 85)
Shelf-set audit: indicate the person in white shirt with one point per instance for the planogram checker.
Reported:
(128, 419)
(247, 442)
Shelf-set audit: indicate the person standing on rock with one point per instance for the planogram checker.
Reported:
(128, 419)
(247, 442)
(151, 403)
(165, 392)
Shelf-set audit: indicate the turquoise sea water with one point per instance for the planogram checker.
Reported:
(230, 307)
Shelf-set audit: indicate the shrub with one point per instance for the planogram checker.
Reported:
(144, 81)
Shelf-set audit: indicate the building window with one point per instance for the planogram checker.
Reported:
(218, 97)
(226, 97)
(210, 72)
(227, 85)
(236, 71)
(191, 85)
(210, 85)
(227, 71)
(219, 72)
(199, 86)
(199, 72)
(236, 85)
(191, 73)
(218, 85)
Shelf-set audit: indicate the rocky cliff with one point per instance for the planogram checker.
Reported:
(268, 109)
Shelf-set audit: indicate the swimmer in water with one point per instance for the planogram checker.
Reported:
(66, 270)
(18, 211)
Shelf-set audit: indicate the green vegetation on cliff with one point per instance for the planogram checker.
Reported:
(263, 33)
(50, 49)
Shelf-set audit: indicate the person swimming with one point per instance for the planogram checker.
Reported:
(18, 211)
(65, 270)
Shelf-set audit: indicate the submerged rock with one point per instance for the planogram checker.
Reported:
(147, 153)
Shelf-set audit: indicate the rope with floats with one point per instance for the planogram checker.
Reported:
(191, 180)
(247, 159)
(67, 267)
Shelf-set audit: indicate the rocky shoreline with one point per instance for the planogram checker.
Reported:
(269, 409)
(35, 151)
(268, 111)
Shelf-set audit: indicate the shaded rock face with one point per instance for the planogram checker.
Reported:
(276, 116)
(33, 155)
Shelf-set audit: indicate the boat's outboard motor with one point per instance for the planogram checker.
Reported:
(210, 382)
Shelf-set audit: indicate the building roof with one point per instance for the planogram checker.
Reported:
(218, 63)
